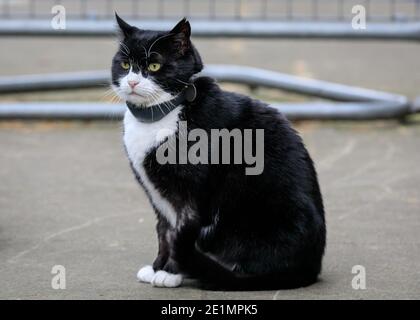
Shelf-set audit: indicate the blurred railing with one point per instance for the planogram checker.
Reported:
(262, 10)
(385, 19)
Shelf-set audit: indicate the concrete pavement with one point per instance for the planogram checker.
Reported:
(67, 197)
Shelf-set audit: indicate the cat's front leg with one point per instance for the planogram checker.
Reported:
(169, 276)
(146, 273)
(182, 240)
(163, 229)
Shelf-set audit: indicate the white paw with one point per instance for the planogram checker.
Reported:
(146, 274)
(166, 280)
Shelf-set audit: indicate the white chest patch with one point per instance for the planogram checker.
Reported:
(139, 139)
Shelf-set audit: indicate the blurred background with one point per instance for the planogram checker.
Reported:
(67, 195)
(306, 38)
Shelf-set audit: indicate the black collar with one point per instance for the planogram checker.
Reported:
(158, 111)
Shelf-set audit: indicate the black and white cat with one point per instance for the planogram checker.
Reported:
(227, 229)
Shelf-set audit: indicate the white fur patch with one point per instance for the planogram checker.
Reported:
(166, 280)
(146, 274)
(139, 139)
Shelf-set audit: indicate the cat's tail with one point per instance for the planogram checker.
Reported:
(212, 275)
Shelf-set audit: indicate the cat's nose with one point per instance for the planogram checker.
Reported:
(132, 84)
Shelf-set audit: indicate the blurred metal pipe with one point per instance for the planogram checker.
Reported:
(293, 111)
(61, 110)
(343, 111)
(54, 81)
(223, 73)
(310, 87)
(415, 107)
(393, 30)
(358, 103)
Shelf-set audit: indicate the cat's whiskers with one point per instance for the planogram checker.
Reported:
(111, 95)
(145, 52)
(179, 80)
(150, 96)
(164, 103)
(154, 52)
(160, 109)
(155, 99)
(109, 91)
(124, 49)
(115, 99)
(154, 95)
(154, 42)
(107, 95)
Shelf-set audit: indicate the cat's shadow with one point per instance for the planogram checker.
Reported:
(190, 283)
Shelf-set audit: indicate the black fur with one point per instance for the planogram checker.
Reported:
(239, 231)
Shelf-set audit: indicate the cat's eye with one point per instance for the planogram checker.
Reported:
(153, 67)
(125, 65)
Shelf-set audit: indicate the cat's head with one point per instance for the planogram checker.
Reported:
(153, 66)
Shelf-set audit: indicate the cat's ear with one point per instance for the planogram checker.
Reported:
(125, 28)
(183, 28)
(182, 33)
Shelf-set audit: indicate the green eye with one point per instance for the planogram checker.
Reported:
(153, 67)
(125, 65)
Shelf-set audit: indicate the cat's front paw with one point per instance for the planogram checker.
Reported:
(165, 279)
(146, 274)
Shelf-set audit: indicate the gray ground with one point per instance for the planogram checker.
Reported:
(67, 196)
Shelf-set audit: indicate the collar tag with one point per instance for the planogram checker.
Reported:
(190, 92)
